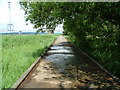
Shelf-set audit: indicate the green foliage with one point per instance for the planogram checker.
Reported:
(96, 34)
(94, 27)
(42, 14)
(19, 52)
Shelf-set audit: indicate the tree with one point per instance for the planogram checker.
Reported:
(94, 27)
(42, 14)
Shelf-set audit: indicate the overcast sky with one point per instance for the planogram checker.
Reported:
(17, 16)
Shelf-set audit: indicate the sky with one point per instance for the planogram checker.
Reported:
(17, 17)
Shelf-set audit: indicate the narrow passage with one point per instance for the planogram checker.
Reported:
(64, 66)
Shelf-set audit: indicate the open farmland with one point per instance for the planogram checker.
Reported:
(19, 52)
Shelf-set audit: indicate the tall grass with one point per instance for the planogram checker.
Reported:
(19, 52)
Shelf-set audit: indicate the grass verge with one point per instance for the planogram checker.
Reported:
(19, 52)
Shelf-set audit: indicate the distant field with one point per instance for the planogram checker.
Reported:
(19, 52)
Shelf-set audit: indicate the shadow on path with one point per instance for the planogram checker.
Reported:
(64, 66)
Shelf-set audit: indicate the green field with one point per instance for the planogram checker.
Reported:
(19, 52)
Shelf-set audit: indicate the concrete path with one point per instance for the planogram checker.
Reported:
(64, 66)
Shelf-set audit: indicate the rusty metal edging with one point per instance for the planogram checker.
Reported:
(26, 73)
(114, 77)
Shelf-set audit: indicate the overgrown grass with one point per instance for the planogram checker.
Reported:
(19, 52)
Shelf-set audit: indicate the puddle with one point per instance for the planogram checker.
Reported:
(59, 57)
(60, 47)
(63, 56)
(64, 44)
(63, 60)
(60, 51)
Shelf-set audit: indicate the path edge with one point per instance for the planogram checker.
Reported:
(105, 70)
(26, 73)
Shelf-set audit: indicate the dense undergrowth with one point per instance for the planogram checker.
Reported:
(19, 52)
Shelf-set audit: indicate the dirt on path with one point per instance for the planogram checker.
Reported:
(64, 66)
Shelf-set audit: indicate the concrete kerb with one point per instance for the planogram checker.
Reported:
(22, 78)
(114, 77)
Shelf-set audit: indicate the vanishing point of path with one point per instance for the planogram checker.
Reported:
(64, 66)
